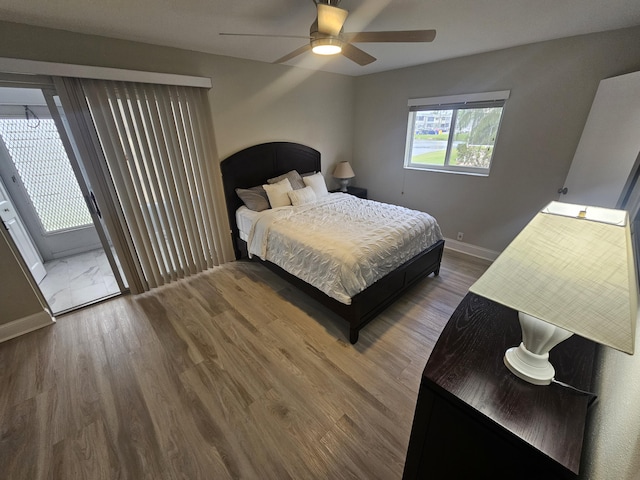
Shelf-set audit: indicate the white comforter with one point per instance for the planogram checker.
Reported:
(341, 244)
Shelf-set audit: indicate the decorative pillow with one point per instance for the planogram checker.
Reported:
(294, 179)
(318, 184)
(255, 198)
(277, 193)
(302, 196)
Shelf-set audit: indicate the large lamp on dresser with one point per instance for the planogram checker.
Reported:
(571, 270)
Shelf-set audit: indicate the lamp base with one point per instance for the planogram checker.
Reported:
(530, 360)
(344, 183)
(528, 366)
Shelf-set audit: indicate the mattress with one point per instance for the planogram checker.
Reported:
(245, 219)
(340, 244)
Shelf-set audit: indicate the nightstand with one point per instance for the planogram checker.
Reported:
(355, 191)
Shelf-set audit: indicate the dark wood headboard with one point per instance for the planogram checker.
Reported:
(254, 165)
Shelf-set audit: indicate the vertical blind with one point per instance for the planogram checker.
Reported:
(157, 143)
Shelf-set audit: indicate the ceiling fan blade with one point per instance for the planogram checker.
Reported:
(361, 57)
(293, 54)
(407, 36)
(330, 19)
(263, 35)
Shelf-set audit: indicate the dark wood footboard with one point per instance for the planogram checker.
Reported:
(366, 305)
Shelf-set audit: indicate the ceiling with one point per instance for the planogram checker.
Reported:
(463, 27)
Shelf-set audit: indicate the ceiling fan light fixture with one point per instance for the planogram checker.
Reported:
(326, 46)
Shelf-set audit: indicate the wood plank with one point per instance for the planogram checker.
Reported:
(31, 372)
(18, 430)
(89, 453)
(232, 373)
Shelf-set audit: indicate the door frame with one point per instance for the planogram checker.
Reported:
(64, 130)
(48, 87)
(21, 236)
(51, 245)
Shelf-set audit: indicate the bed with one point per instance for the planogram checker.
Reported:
(253, 166)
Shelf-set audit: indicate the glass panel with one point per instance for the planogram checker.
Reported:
(475, 136)
(431, 136)
(43, 166)
(114, 276)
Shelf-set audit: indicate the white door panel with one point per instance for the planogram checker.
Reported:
(609, 145)
(20, 236)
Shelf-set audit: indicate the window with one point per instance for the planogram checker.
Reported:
(455, 133)
(42, 164)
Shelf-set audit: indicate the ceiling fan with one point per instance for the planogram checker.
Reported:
(326, 36)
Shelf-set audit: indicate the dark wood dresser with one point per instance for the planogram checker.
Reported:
(475, 419)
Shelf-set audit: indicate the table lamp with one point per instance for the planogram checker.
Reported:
(570, 270)
(343, 173)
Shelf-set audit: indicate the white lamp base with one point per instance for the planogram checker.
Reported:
(528, 366)
(344, 183)
(530, 360)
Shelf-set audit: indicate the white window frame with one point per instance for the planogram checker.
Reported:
(455, 103)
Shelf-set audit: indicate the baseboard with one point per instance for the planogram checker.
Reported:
(25, 325)
(469, 249)
(76, 251)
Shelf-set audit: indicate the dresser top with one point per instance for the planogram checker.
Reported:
(467, 364)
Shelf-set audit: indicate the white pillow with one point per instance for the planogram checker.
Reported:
(302, 196)
(277, 193)
(317, 183)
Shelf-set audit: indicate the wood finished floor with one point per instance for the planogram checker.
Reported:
(230, 374)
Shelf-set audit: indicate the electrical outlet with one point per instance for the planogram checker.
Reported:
(460, 236)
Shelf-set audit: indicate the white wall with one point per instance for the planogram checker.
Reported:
(552, 87)
(251, 102)
(612, 440)
(256, 102)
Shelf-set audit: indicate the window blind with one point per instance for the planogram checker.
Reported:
(157, 145)
(450, 106)
(469, 100)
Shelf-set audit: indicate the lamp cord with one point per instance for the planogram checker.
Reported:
(582, 392)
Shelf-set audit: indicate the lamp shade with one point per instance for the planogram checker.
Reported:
(572, 266)
(343, 170)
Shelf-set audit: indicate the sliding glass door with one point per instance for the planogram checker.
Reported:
(47, 200)
(152, 159)
(55, 106)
